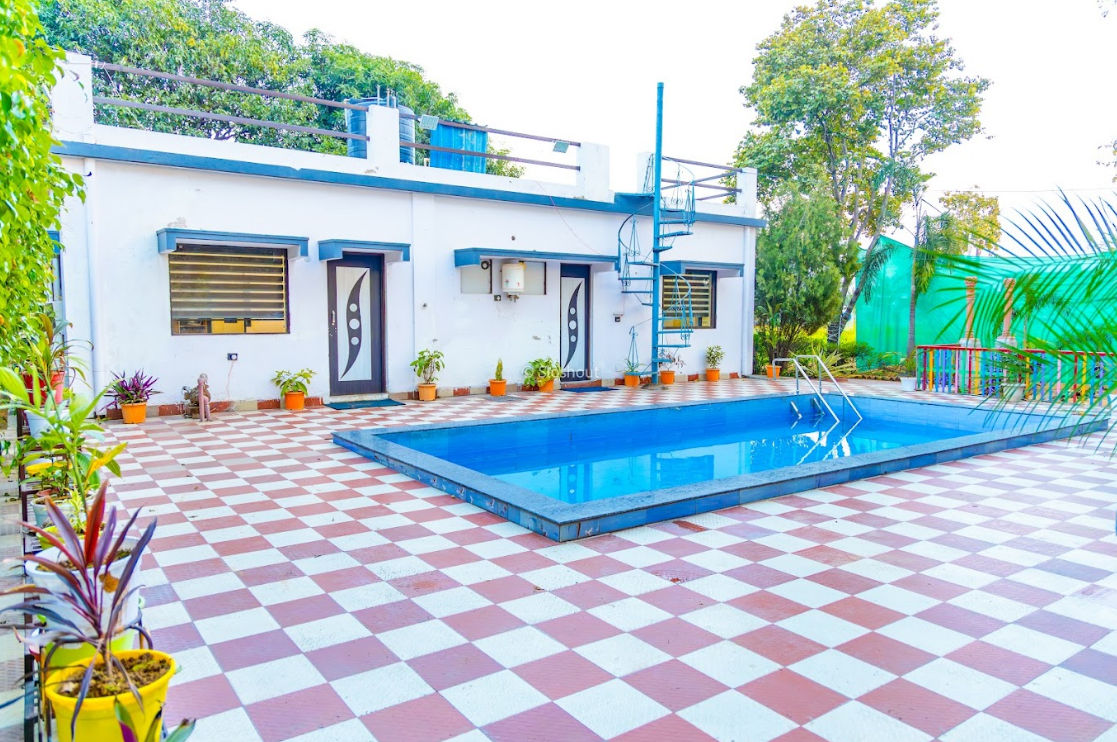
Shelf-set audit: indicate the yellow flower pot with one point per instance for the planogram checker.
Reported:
(97, 719)
(67, 655)
(427, 392)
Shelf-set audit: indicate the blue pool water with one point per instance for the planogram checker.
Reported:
(571, 475)
(593, 457)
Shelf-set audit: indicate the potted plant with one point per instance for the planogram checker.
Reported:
(667, 367)
(631, 373)
(130, 394)
(498, 385)
(1012, 368)
(714, 356)
(64, 457)
(47, 354)
(294, 386)
(93, 697)
(907, 374)
(772, 369)
(93, 538)
(541, 374)
(427, 366)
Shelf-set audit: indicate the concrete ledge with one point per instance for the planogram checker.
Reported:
(252, 405)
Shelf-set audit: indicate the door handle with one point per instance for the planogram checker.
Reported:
(333, 318)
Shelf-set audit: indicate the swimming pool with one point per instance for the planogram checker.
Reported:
(571, 475)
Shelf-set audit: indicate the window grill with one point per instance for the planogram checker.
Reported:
(228, 290)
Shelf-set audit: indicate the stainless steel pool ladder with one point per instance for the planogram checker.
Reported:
(801, 372)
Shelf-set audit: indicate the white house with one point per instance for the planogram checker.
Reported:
(188, 252)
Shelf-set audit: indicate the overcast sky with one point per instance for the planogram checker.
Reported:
(587, 71)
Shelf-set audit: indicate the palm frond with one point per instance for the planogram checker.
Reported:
(1063, 258)
(874, 263)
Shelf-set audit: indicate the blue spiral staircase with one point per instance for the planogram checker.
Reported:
(641, 268)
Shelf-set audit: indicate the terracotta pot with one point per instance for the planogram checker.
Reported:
(294, 401)
(56, 380)
(497, 387)
(547, 386)
(773, 370)
(713, 374)
(632, 380)
(667, 376)
(133, 413)
(427, 392)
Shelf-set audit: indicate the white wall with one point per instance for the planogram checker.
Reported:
(117, 284)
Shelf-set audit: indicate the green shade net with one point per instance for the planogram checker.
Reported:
(882, 319)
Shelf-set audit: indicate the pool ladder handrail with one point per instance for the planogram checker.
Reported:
(802, 372)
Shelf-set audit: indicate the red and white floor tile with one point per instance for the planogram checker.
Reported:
(311, 594)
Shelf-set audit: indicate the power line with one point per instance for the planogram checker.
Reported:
(1016, 190)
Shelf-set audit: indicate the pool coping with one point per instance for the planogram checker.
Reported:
(567, 521)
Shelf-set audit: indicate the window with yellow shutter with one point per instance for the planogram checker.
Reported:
(228, 290)
(689, 299)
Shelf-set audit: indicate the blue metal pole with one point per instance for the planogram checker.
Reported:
(657, 195)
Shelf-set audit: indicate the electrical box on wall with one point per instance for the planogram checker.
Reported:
(512, 278)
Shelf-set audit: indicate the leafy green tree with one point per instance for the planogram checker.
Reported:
(797, 281)
(211, 40)
(33, 183)
(857, 94)
(978, 218)
(341, 71)
(197, 38)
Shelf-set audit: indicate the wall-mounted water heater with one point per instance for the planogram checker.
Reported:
(512, 279)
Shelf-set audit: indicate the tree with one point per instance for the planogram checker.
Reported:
(858, 94)
(211, 40)
(33, 183)
(797, 282)
(935, 238)
(341, 71)
(978, 219)
(196, 38)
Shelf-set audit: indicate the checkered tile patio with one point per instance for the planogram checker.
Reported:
(311, 594)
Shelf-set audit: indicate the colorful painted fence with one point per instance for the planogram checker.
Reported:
(1047, 376)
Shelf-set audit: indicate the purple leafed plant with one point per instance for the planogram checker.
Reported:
(134, 389)
(88, 588)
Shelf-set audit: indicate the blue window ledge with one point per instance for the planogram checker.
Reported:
(335, 249)
(170, 238)
(682, 266)
(474, 256)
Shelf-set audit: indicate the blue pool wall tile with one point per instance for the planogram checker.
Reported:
(564, 522)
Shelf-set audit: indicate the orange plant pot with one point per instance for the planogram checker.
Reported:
(631, 380)
(773, 370)
(497, 387)
(713, 374)
(427, 392)
(294, 401)
(667, 376)
(134, 413)
(547, 386)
